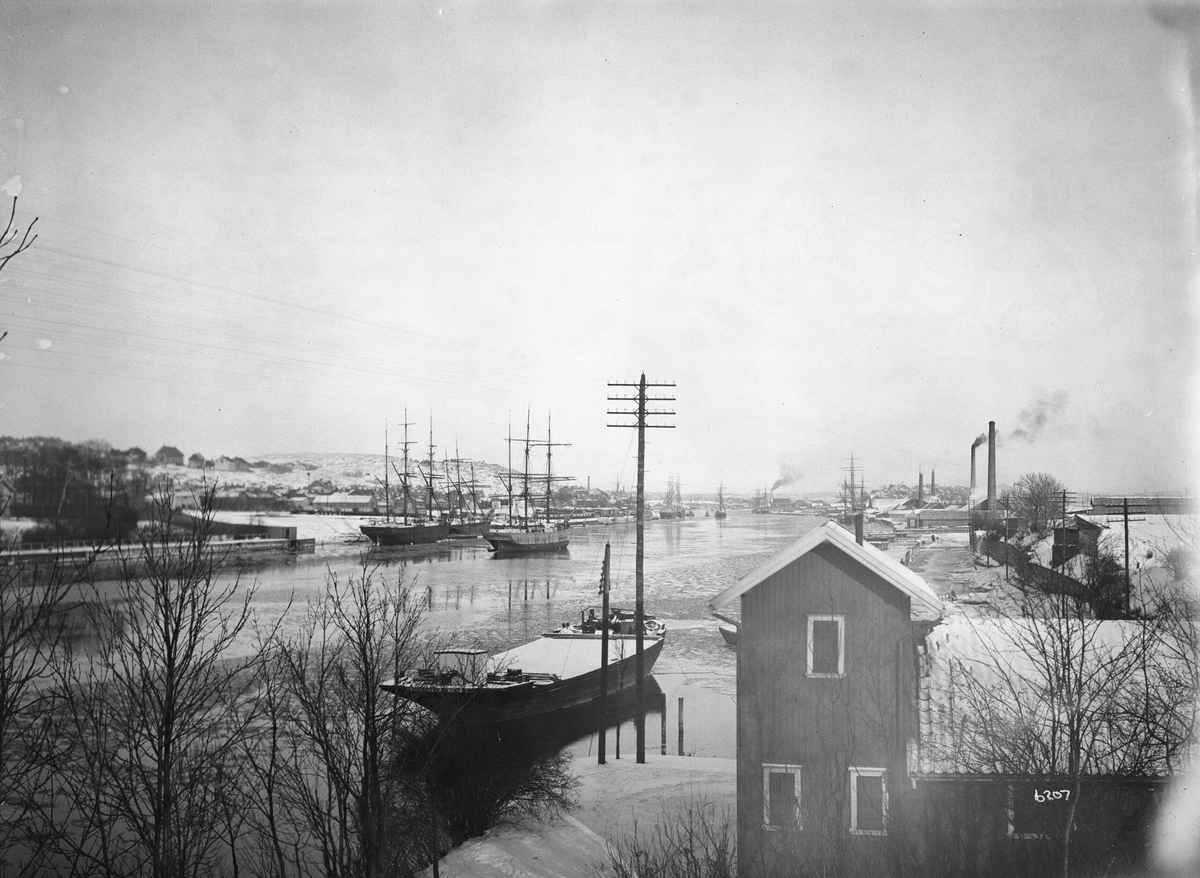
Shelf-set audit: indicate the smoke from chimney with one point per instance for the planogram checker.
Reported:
(1033, 419)
(787, 475)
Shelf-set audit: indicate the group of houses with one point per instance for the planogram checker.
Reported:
(883, 729)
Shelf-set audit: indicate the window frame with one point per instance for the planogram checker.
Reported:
(857, 771)
(769, 768)
(841, 646)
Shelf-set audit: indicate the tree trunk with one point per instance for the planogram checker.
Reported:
(1066, 830)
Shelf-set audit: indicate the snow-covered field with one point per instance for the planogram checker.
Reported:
(612, 798)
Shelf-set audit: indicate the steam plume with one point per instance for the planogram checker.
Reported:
(1034, 418)
(787, 475)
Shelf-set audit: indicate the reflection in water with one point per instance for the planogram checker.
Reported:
(473, 598)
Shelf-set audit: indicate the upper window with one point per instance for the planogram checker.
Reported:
(868, 801)
(781, 796)
(826, 646)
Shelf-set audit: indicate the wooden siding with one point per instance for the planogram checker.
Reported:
(825, 725)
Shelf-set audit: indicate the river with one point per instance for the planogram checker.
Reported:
(495, 603)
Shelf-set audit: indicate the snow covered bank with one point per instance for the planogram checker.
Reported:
(612, 798)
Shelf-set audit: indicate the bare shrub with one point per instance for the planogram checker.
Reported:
(695, 839)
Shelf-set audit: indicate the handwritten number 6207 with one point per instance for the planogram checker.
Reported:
(1050, 795)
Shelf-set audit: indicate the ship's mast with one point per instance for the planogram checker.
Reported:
(405, 494)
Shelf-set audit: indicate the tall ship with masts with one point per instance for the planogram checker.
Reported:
(462, 501)
(405, 530)
(525, 533)
(720, 513)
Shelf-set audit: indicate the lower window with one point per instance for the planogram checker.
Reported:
(781, 796)
(868, 801)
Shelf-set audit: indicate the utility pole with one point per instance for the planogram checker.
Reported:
(604, 649)
(1138, 509)
(640, 415)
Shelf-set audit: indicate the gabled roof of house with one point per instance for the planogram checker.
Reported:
(925, 602)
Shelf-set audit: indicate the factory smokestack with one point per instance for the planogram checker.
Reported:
(920, 488)
(991, 468)
(933, 483)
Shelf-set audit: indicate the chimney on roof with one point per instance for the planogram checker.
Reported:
(858, 528)
(991, 467)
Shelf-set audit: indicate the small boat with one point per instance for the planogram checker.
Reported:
(621, 623)
(536, 680)
(730, 633)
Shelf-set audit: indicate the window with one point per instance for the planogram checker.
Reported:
(868, 801)
(826, 646)
(781, 796)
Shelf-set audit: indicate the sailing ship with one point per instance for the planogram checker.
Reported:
(525, 533)
(720, 513)
(403, 532)
(672, 505)
(467, 520)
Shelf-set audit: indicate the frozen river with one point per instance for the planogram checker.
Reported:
(495, 603)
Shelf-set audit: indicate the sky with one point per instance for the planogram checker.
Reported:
(834, 230)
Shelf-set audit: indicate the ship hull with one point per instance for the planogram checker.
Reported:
(507, 543)
(469, 528)
(405, 534)
(555, 676)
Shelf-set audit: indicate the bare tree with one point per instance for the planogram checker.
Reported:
(157, 709)
(1039, 500)
(328, 799)
(9, 235)
(34, 624)
(1058, 696)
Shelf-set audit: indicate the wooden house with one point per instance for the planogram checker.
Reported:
(875, 737)
(169, 454)
(826, 707)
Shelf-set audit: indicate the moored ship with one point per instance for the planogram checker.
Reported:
(539, 679)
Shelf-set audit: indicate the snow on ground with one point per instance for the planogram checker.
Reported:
(613, 797)
(322, 528)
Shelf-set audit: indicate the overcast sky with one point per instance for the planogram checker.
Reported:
(273, 227)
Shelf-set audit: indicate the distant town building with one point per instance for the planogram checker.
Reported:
(196, 461)
(231, 464)
(168, 455)
(135, 456)
(345, 504)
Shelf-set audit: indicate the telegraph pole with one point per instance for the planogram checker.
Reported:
(640, 415)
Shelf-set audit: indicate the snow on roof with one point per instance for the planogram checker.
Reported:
(562, 656)
(925, 602)
(987, 698)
